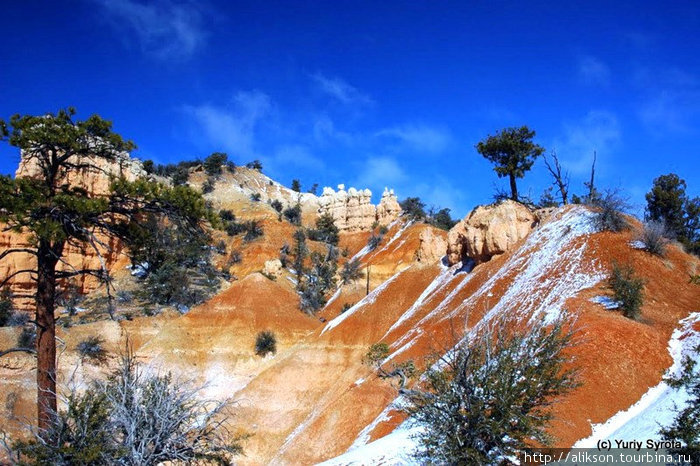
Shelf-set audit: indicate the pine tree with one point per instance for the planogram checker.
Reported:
(513, 153)
(54, 214)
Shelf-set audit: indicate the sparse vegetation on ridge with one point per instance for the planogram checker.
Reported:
(628, 290)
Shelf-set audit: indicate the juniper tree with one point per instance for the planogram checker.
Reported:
(513, 153)
(490, 397)
(53, 215)
(668, 202)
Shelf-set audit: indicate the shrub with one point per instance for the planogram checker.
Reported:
(91, 348)
(208, 186)
(654, 237)
(413, 208)
(133, 417)
(230, 166)
(277, 205)
(284, 255)
(227, 215)
(609, 212)
(350, 271)
(221, 247)
(213, 163)
(234, 258)
(265, 343)
(326, 230)
(180, 176)
(346, 307)
(27, 339)
(442, 219)
(255, 197)
(296, 185)
(627, 290)
(255, 165)
(374, 241)
(293, 214)
(171, 284)
(375, 354)
(489, 398)
(233, 228)
(253, 230)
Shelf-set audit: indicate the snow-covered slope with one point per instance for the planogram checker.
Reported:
(657, 408)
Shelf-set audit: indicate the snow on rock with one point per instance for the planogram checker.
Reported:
(657, 407)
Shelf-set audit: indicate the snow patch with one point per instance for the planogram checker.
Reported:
(606, 301)
(369, 299)
(657, 407)
(636, 244)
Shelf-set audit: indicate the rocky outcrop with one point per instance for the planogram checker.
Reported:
(94, 180)
(353, 210)
(388, 208)
(432, 247)
(272, 268)
(488, 231)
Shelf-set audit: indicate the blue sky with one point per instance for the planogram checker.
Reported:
(373, 94)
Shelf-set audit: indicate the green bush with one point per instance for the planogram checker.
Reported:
(293, 214)
(490, 398)
(265, 343)
(350, 271)
(628, 290)
(375, 354)
(253, 230)
(213, 163)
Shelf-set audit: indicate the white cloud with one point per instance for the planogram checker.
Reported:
(166, 29)
(598, 131)
(419, 138)
(673, 104)
(593, 71)
(232, 130)
(381, 171)
(341, 90)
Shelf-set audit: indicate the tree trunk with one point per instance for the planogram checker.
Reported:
(513, 188)
(47, 259)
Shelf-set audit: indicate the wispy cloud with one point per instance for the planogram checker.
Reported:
(232, 130)
(672, 104)
(165, 29)
(593, 71)
(598, 131)
(341, 90)
(381, 171)
(419, 138)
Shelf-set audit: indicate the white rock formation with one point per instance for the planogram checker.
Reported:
(353, 209)
(488, 231)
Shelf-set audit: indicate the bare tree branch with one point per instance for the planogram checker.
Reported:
(7, 252)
